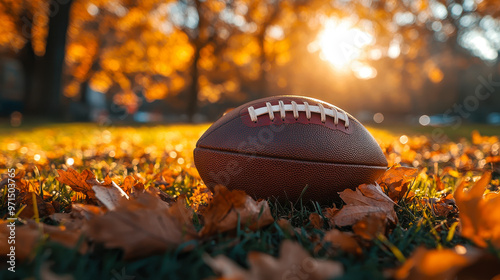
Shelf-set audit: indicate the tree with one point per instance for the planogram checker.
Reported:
(37, 37)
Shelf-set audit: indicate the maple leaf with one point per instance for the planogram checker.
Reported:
(143, 226)
(436, 264)
(293, 263)
(479, 214)
(396, 181)
(228, 206)
(367, 199)
(79, 182)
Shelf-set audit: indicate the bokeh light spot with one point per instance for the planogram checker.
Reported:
(378, 117)
(424, 120)
(403, 139)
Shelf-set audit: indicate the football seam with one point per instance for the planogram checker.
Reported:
(292, 159)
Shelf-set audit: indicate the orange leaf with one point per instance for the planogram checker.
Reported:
(79, 182)
(343, 240)
(435, 264)
(371, 226)
(479, 215)
(227, 206)
(366, 200)
(396, 181)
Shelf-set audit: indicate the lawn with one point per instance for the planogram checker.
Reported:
(65, 228)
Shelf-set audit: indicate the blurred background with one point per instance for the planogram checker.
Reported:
(422, 62)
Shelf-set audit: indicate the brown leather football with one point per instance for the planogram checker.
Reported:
(276, 146)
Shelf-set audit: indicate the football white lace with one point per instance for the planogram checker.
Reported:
(282, 108)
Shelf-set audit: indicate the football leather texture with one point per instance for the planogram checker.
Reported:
(276, 146)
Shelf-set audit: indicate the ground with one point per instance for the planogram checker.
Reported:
(159, 157)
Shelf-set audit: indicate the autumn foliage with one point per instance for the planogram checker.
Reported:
(420, 223)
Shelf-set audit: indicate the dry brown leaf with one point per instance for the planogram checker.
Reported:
(343, 240)
(21, 184)
(109, 195)
(26, 240)
(85, 211)
(329, 213)
(366, 200)
(79, 182)
(143, 226)
(316, 220)
(436, 264)
(228, 206)
(370, 226)
(294, 263)
(396, 181)
(43, 208)
(479, 215)
(27, 237)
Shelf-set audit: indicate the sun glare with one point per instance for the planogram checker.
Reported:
(340, 43)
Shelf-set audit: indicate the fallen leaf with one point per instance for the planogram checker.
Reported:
(396, 181)
(21, 184)
(370, 226)
(439, 184)
(109, 195)
(436, 264)
(293, 263)
(329, 213)
(228, 206)
(128, 184)
(316, 220)
(479, 214)
(143, 226)
(28, 236)
(79, 182)
(343, 240)
(26, 240)
(85, 211)
(367, 199)
(44, 208)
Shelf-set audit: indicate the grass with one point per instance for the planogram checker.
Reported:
(146, 150)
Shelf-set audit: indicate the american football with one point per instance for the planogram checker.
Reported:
(289, 147)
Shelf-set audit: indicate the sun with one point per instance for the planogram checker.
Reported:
(340, 43)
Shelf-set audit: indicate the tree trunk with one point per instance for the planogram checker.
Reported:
(192, 106)
(262, 82)
(46, 97)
